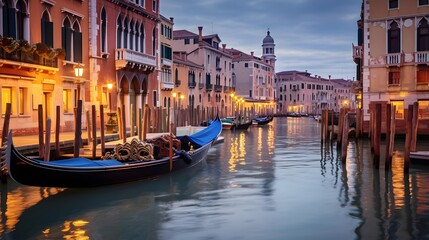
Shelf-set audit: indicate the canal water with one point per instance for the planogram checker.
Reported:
(270, 182)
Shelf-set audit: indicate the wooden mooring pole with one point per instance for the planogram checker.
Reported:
(377, 135)
(3, 170)
(388, 157)
(409, 126)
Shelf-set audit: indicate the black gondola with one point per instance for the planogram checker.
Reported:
(83, 172)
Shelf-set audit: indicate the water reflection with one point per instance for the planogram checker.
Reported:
(273, 182)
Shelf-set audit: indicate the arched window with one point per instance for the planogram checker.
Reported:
(119, 32)
(126, 32)
(136, 36)
(394, 38)
(103, 30)
(132, 35)
(21, 15)
(47, 30)
(77, 43)
(142, 39)
(154, 41)
(423, 36)
(67, 38)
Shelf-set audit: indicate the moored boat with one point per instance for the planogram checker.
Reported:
(262, 120)
(83, 172)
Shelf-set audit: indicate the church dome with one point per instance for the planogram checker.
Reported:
(268, 38)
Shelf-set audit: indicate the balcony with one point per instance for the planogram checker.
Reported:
(130, 58)
(209, 87)
(357, 53)
(218, 69)
(422, 57)
(394, 59)
(192, 84)
(218, 88)
(177, 82)
(166, 62)
(200, 85)
(167, 85)
(226, 89)
(33, 56)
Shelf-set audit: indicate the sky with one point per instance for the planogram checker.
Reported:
(310, 35)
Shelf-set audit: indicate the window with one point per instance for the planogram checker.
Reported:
(423, 2)
(186, 41)
(119, 32)
(125, 33)
(155, 97)
(154, 41)
(154, 5)
(394, 38)
(22, 100)
(399, 105)
(423, 36)
(132, 35)
(103, 30)
(423, 109)
(246, 65)
(47, 30)
(142, 39)
(394, 76)
(72, 41)
(104, 99)
(422, 74)
(393, 4)
(6, 97)
(67, 101)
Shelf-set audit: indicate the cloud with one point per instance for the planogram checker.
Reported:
(309, 34)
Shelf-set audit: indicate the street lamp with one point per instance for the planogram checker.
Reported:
(78, 72)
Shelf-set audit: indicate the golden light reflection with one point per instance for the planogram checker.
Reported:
(398, 187)
(18, 200)
(237, 152)
(73, 230)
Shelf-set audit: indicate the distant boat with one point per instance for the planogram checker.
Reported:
(262, 120)
(83, 172)
(227, 123)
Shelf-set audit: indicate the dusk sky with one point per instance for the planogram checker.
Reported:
(310, 35)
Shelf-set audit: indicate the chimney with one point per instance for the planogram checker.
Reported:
(172, 19)
(329, 76)
(251, 54)
(200, 34)
(223, 47)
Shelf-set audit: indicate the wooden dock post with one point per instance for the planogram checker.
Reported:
(88, 126)
(322, 125)
(57, 131)
(102, 135)
(415, 127)
(78, 129)
(145, 122)
(409, 125)
(344, 136)
(47, 151)
(388, 157)
(139, 126)
(340, 127)
(377, 135)
(40, 122)
(332, 126)
(124, 125)
(94, 132)
(326, 126)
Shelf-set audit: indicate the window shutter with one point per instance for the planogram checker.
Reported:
(49, 33)
(11, 23)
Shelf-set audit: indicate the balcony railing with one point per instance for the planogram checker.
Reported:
(177, 82)
(166, 62)
(393, 59)
(167, 85)
(226, 89)
(209, 87)
(126, 57)
(218, 88)
(29, 57)
(357, 53)
(200, 85)
(192, 84)
(422, 57)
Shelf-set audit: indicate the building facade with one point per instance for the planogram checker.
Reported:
(216, 61)
(299, 92)
(394, 57)
(38, 65)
